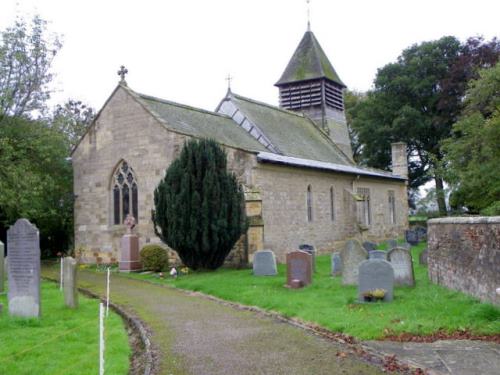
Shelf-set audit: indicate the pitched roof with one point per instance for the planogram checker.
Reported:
(309, 61)
(289, 133)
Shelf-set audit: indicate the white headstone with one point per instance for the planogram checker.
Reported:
(402, 264)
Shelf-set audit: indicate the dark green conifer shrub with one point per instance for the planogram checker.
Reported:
(200, 206)
(154, 258)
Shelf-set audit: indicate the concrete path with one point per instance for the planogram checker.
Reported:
(456, 357)
(198, 336)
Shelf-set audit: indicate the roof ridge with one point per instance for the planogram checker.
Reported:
(164, 101)
(298, 114)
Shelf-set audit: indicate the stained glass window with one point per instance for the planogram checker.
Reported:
(125, 194)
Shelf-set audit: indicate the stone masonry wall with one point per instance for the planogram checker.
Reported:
(464, 254)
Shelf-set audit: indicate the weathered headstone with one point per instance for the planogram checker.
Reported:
(369, 246)
(406, 246)
(411, 237)
(336, 264)
(402, 264)
(311, 250)
(352, 255)
(129, 256)
(264, 263)
(24, 269)
(391, 244)
(299, 267)
(377, 254)
(2, 267)
(421, 233)
(70, 282)
(376, 274)
(422, 259)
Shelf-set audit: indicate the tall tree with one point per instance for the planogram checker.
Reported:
(416, 100)
(352, 100)
(72, 119)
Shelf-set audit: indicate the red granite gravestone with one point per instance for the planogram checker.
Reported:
(299, 269)
(129, 257)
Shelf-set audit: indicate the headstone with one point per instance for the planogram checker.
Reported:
(369, 246)
(422, 259)
(421, 233)
(24, 269)
(391, 244)
(129, 256)
(411, 237)
(352, 255)
(336, 264)
(377, 254)
(406, 246)
(264, 263)
(311, 250)
(70, 282)
(2, 267)
(402, 264)
(299, 267)
(376, 274)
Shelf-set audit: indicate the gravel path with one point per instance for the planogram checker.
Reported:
(198, 336)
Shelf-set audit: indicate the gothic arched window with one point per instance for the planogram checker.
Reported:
(332, 204)
(124, 192)
(309, 204)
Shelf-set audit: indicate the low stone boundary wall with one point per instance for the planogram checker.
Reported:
(464, 254)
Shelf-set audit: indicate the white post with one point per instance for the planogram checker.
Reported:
(101, 339)
(107, 294)
(61, 276)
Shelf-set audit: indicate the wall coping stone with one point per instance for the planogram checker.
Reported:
(466, 220)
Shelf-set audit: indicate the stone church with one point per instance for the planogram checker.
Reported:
(295, 162)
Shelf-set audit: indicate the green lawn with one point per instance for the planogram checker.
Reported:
(424, 309)
(63, 341)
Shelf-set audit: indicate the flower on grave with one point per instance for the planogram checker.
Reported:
(173, 272)
(185, 270)
(378, 293)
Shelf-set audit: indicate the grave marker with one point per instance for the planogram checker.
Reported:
(311, 250)
(70, 281)
(377, 254)
(299, 268)
(24, 269)
(422, 259)
(369, 246)
(264, 263)
(402, 264)
(336, 264)
(352, 255)
(411, 237)
(376, 274)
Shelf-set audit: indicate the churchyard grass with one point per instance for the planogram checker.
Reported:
(62, 341)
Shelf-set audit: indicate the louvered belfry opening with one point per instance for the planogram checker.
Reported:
(308, 94)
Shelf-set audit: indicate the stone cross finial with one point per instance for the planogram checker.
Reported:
(308, 15)
(129, 223)
(122, 73)
(229, 78)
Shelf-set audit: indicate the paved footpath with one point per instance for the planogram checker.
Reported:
(199, 336)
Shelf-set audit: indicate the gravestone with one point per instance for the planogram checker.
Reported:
(129, 256)
(2, 267)
(299, 267)
(422, 259)
(70, 282)
(369, 246)
(352, 255)
(411, 237)
(402, 264)
(391, 244)
(336, 264)
(421, 233)
(311, 250)
(377, 254)
(264, 263)
(24, 269)
(376, 274)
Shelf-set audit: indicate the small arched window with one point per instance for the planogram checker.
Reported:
(309, 204)
(332, 204)
(124, 193)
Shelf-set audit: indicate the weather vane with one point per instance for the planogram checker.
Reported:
(229, 78)
(122, 73)
(308, 15)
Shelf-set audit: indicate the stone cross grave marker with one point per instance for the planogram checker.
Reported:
(411, 237)
(264, 263)
(369, 246)
(24, 269)
(352, 255)
(402, 264)
(298, 268)
(129, 255)
(336, 264)
(391, 244)
(2, 267)
(70, 270)
(376, 274)
(311, 250)
(377, 254)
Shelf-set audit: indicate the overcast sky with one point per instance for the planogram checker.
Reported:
(183, 50)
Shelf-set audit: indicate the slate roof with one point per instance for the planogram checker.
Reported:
(290, 133)
(309, 61)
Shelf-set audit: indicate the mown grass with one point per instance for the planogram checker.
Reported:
(422, 310)
(62, 341)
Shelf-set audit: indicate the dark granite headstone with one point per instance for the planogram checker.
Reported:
(402, 264)
(369, 246)
(352, 255)
(24, 269)
(377, 254)
(422, 259)
(336, 264)
(264, 263)
(411, 237)
(299, 267)
(311, 250)
(391, 244)
(376, 274)
(2, 267)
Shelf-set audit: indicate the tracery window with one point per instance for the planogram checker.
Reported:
(309, 204)
(125, 194)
